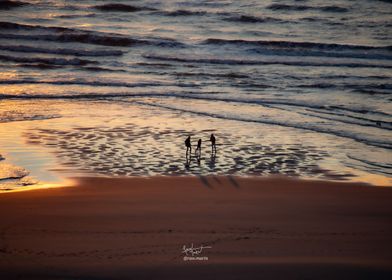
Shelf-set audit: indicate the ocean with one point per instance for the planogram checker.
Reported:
(113, 88)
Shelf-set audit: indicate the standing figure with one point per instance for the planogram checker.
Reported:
(213, 146)
(198, 149)
(188, 145)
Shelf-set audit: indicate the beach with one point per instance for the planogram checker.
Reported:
(135, 228)
(196, 139)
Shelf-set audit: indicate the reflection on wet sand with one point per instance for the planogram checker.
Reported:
(133, 150)
(128, 140)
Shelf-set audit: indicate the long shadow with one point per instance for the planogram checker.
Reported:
(233, 181)
(216, 178)
(205, 182)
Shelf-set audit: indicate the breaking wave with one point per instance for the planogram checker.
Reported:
(62, 34)
(286, 7)
(266, 62)
(62, 51)
(6, 4)
(116, 7)
(48, 61)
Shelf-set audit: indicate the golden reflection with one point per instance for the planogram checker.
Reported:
(376, 180)
(42, 160)
(40, 186)
(8, 75)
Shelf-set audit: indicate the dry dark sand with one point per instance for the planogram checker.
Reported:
(135, 228)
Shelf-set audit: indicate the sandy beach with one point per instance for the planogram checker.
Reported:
(135, 228)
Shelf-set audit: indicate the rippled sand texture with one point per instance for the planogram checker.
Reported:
(132, 139)
(134, 150)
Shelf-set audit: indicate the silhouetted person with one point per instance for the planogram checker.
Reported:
(188, 145)
(213, 146)
(198, 149)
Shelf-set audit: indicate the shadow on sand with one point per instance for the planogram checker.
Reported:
(205, 182)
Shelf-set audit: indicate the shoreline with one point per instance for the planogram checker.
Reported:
(119, 228)
(109, 146)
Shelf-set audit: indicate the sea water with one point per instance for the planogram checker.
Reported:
(113, 88)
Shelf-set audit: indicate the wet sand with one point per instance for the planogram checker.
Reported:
(135, 228)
